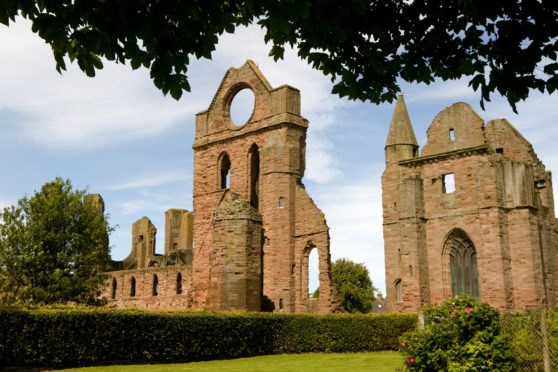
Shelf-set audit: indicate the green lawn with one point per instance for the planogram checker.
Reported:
(376, 361)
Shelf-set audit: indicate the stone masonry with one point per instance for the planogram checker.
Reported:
(247, 243)
(473, 213)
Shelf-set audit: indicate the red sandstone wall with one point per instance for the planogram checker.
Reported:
(166, 298)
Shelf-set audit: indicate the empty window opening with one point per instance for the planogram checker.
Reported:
(500, 150)
(448, 185)
(281, 202)
(225, 167)
(313, 272)
(451, 134)
(411, 269)
(398, 291)
(280, 304)
(254, 175)
(133, 287)
(179, 283)
(415, 153)
(155, 284)
(242, 106)
(114, 284)
(394, 206)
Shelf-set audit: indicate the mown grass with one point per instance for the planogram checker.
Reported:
(382, 361)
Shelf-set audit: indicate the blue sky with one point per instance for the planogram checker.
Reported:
(117, 135)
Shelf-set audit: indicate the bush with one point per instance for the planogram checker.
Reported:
(462, 334)
(525, 334)
(55, 336)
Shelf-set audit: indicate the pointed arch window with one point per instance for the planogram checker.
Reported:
(398, 291)
(179, 283)
(155, 284)
(463, 264)
(133, 287)
(224, 171)
(254, 156)
(114, 284)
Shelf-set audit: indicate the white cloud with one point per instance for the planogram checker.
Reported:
(354, 214)
(440, 90)
(72, 110)
(152, 180)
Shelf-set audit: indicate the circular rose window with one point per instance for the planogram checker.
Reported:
(242, 106)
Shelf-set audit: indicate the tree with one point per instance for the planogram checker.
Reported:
(354, 286)
(53, 247)
(366, 47)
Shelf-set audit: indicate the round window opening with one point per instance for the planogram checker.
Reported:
(242, 106)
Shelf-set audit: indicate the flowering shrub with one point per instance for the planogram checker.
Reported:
(462, 334)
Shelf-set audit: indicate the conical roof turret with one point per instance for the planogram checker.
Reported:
(400, 130)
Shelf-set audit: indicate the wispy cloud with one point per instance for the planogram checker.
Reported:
(354, 214)
(152, 181)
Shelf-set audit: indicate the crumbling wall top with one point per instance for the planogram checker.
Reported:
(272, 106)
(455, 128)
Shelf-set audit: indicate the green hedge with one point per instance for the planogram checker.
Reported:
(68, 336)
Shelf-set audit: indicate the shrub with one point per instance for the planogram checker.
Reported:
(56, 336)
(525, 334)
(462, 334)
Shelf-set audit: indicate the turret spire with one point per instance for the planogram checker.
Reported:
(400, 130)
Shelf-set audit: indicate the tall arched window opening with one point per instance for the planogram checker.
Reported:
(133, 287)
(313, 273)
(224, 171)
(155, 284)
(398, 291)
(114, 288)
(254, 158)
(179, 283)
(463, 264)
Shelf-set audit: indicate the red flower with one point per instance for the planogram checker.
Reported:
(410, 360)
(469, 309)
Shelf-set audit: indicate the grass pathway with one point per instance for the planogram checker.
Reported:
(383, 361)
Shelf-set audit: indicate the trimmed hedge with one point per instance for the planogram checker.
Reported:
(80, 336)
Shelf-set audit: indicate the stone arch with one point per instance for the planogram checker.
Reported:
(459, 260)
(254, 172)
(223, 171)
(304, 269)
(154, 289)
(114, 288)
(133, 287)
(179, 283)
(398, 284)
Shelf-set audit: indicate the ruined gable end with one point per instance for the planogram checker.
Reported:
(474, 214)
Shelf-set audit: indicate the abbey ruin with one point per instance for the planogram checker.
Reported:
(247, 242)
(472, 213)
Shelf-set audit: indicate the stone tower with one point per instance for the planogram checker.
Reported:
(262, 161)
(474, 214)
(236, 257)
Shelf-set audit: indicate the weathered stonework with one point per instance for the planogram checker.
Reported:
(255, 225)
(178, 230)
(235, 275)
(494, 236)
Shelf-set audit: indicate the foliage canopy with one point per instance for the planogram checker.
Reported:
(355, 288)
(53, 247)
(366, 47)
